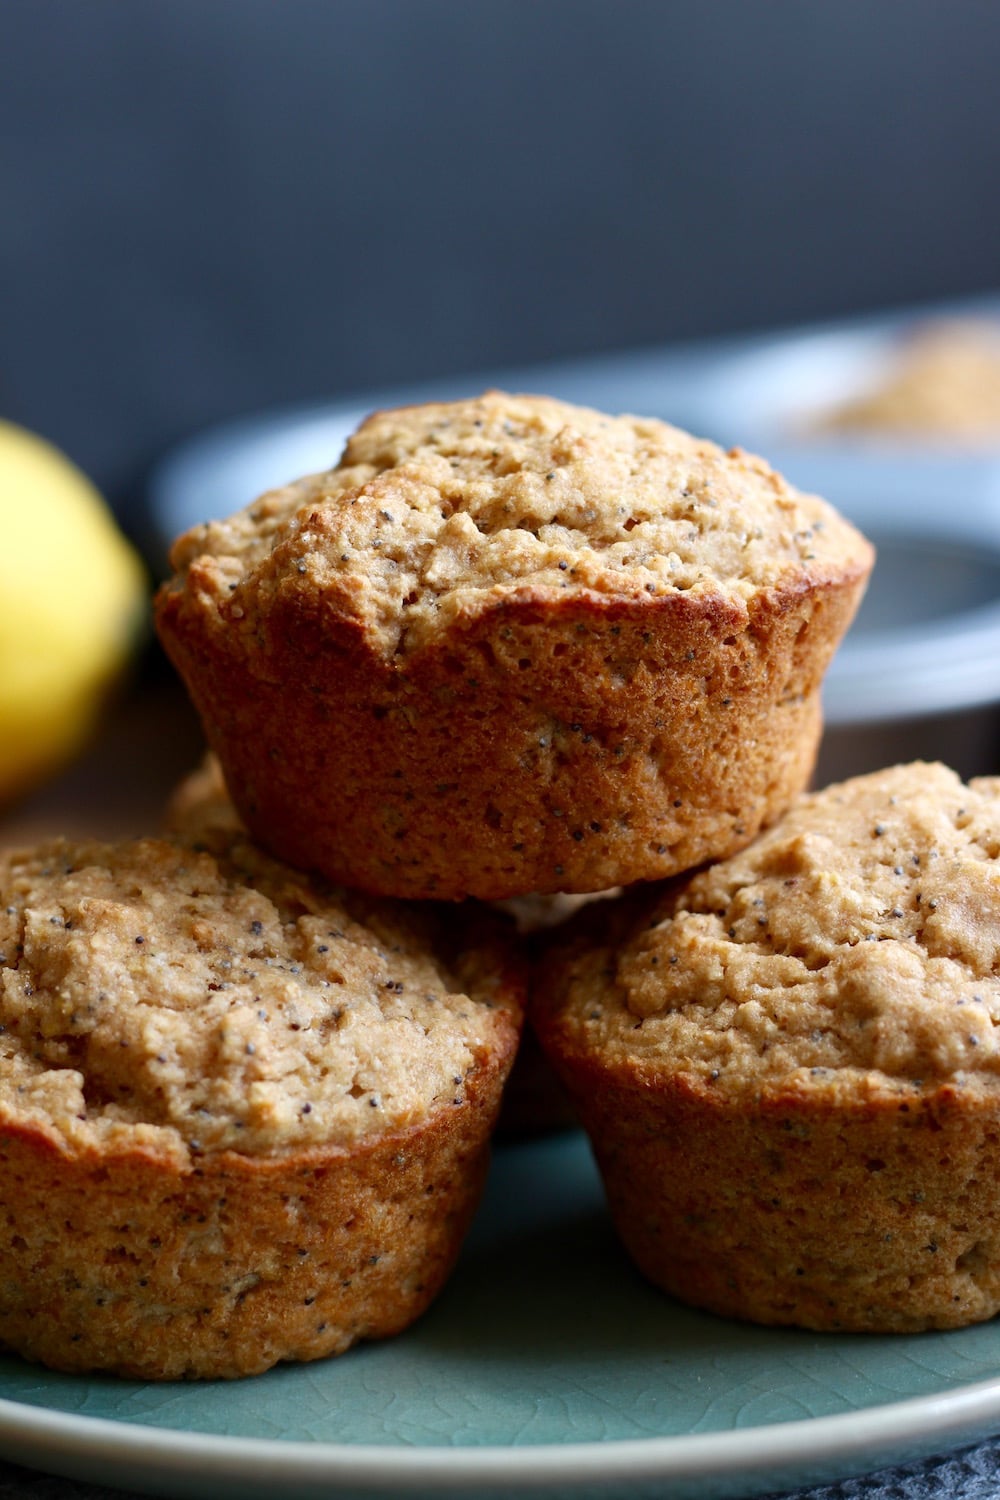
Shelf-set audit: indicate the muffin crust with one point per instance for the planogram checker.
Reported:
(433, 509)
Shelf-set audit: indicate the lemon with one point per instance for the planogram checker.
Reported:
(72, 596)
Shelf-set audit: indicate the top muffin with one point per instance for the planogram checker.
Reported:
(435, 510)
(501, 615)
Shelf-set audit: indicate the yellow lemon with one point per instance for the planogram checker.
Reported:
(72, 595)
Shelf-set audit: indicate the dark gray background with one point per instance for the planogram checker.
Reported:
(214, 206)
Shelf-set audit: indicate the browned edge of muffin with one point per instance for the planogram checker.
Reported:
(541, 743)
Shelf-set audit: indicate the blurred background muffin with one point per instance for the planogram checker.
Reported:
(941, 383)
(228, 213)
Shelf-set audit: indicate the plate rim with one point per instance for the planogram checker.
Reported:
(840, 1438)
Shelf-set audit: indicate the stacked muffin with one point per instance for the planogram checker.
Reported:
(510, 646)
(506, 648)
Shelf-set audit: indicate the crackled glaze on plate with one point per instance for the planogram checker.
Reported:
(546, 1363)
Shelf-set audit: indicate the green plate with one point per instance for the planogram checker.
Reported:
(546, 1366)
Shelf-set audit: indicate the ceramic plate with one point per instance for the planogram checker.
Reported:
(547, 1367)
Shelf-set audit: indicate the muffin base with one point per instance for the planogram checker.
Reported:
(128, 1265)
(873, 1213)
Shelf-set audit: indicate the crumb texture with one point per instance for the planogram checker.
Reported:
(434, 509)
(862, 932)
(200, 801)
(207, 999)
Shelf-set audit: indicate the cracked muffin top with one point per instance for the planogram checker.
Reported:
(860, 936)
(435, 510)
(196, 997)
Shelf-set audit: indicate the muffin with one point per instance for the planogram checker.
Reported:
(509, 645)
(943, 385)
(244, 1118)
(788, 1064)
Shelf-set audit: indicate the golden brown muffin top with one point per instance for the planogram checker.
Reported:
(434, 511)
(859, 936)
(196, 998)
